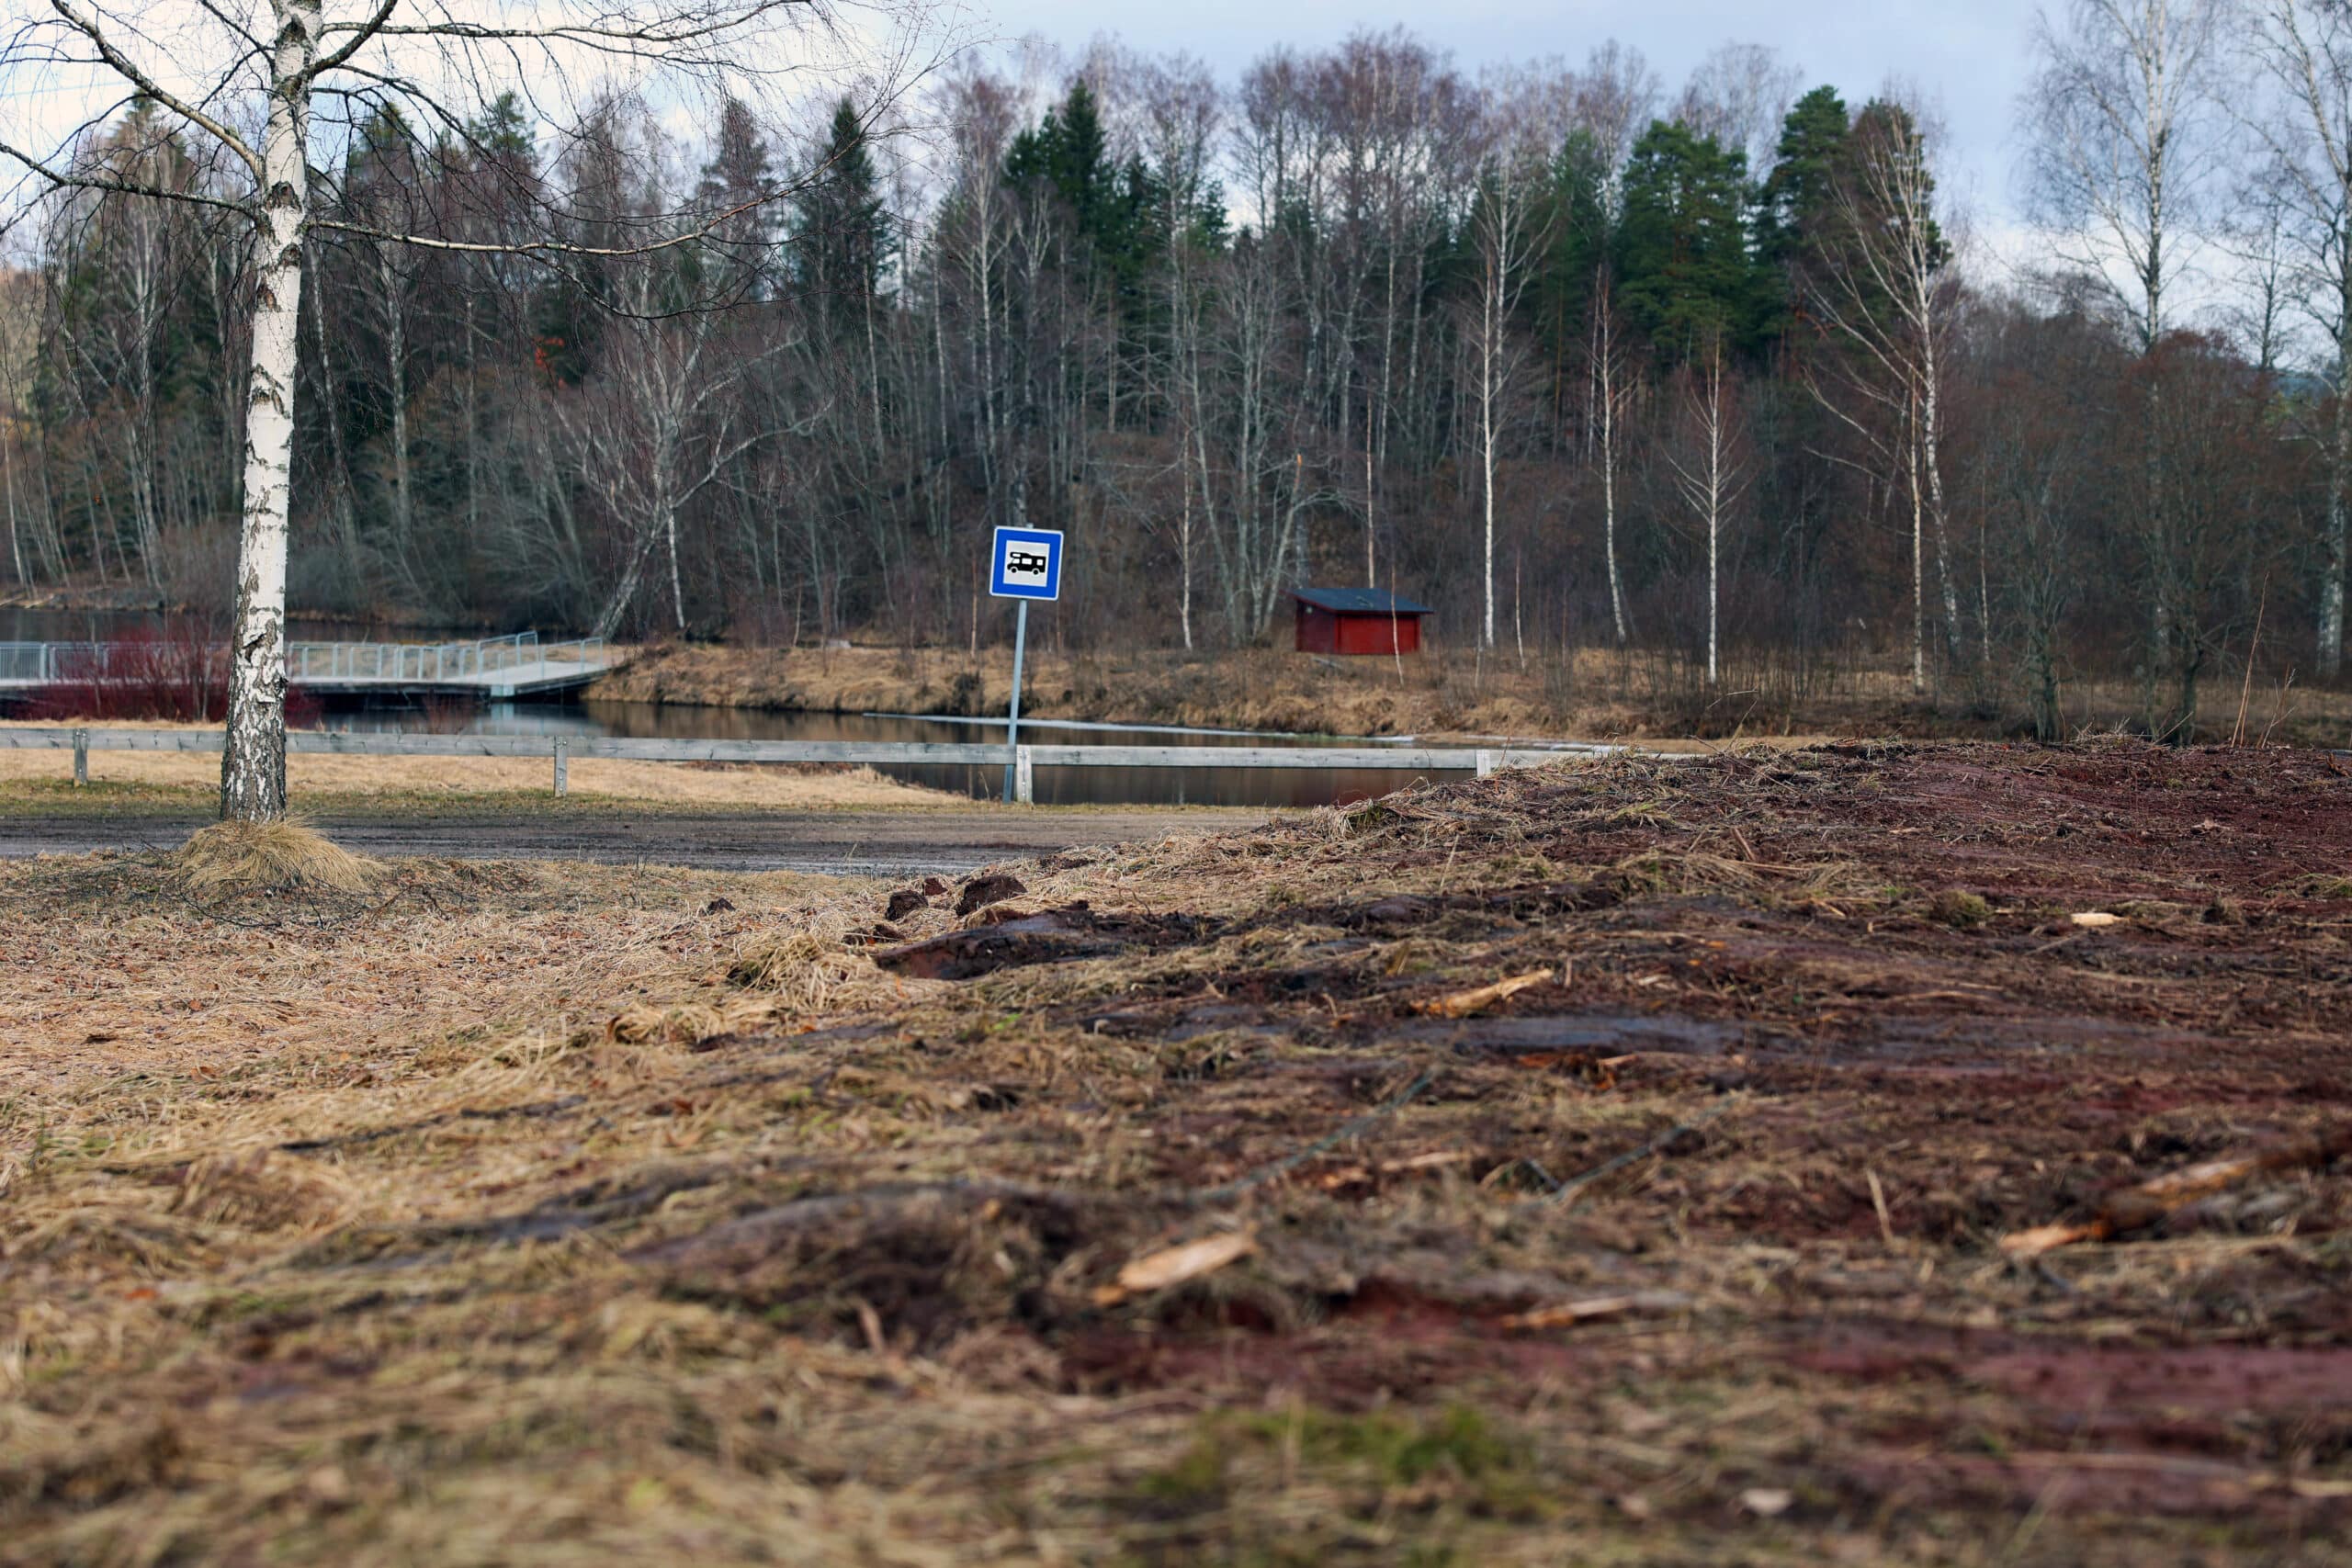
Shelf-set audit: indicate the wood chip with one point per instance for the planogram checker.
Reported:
(2096, 918)
(1462, 1004)
(1564, 1315)
(1346, 1174)
(1174, 1265)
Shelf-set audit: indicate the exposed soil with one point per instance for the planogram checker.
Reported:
(1217, 1201)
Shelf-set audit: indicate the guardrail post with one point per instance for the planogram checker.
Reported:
(81, 758)
(562, 764)
(1487, 764)
(1021, 791)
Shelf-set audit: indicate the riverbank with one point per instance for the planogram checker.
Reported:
(1629, 1161)
(1595, 696)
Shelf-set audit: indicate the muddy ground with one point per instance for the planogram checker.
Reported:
(1604, 1164)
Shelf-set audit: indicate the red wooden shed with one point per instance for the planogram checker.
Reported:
(1357, 620)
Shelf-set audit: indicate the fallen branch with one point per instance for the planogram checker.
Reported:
(2136, 1208)
(1462, 1004)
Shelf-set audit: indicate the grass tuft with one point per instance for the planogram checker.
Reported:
(239, 857)
(1958, 908)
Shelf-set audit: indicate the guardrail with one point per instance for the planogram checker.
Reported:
(1025, 760)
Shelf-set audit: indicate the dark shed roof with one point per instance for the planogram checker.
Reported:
(1359, 601)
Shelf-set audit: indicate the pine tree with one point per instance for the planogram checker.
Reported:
(1794, 206)
(1682, 250)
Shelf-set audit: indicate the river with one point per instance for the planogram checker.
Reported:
(1057, 786)
(1104, 786)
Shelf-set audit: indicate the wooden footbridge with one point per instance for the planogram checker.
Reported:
(492, 668)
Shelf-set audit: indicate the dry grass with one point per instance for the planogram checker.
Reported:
(1595, 694)
(681, 783)
(545, 1214)
(287, 854)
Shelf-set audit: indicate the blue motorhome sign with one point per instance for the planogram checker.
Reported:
(1028, 564)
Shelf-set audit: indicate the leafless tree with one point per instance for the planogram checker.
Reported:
(2305, 48)
(304, 74)
(1711, 470)
(2124, 151)
(1616, 94)
(1182, 109)
(1509, 222)
(1739, 95)
(1610, 373)
(1883, 291)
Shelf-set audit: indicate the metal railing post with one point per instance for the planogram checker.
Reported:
(81, 758)
(562, 764)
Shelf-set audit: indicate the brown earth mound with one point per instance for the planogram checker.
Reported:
(1605, 1164)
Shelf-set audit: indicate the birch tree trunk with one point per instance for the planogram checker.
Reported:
(9, 483)
(396, 374)
(1605, 378)
(1489, 303)
(1711, 481)
(252, 756)
(1918, 579)
(2330, 652)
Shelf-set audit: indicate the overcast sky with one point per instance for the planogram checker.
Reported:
(1967, 56)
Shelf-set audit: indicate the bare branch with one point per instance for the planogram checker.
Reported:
(123, 66)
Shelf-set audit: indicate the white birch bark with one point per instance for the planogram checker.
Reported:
(1605, 370)
(1711, 479)
(252, 758)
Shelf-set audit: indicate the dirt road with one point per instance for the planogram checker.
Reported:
(865, 843)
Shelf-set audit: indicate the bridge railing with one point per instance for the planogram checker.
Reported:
(26, 662)
(48, 663)
(45, 663)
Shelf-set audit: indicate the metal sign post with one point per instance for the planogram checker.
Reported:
(1012, 728)
(1025, 564)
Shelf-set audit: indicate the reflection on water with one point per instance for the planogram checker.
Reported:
(20, 625)
(1058, 786)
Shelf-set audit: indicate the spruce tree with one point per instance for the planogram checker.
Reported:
(840, 229)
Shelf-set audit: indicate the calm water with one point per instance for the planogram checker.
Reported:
(1060, 786)
(1140, 786)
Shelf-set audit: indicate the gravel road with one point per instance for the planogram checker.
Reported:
(855, 843)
